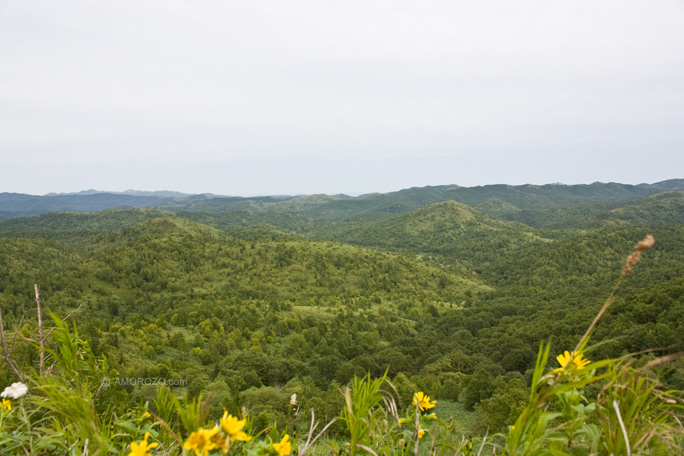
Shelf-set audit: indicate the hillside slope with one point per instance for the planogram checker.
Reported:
(196, 287)
(666, 208)
(449, 229)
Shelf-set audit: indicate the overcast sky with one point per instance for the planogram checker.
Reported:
(296, 96)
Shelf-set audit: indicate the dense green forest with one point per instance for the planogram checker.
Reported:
(505, 201)
(250, 301)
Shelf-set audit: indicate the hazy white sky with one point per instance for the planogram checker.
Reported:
(298, 96)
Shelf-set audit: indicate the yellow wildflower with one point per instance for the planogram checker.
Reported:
(147, 415)
(142, 448)
(283, 448)
(421, 433)
(578, 361)
(6, 404)
(201, 441)
(221, 442)
(233, 427)
(423, 401)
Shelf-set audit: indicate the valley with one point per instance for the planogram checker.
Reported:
(247, 301)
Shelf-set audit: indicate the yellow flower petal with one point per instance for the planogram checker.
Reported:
(142, 448)
(575, 361)
(221, 442)
(233, 427)
(423, 401)
(283, 448)
(201, 441)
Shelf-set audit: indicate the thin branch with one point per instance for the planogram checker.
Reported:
(391, 405)
(64, 319)
(622, 425)
(309, 442)
(606, 305)
(41, 335)
(661, 360)
(417, 431)
(364, 447)
(312, 428)
(484, 441)
(17, 329)
(168, 429)
(7, 352)
(432, 442)
(323, 430)
(99, 389)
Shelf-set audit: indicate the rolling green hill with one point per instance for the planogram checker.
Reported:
(76, 226)
(666, 208)
(254, 302)
(454, 231)
(73, 226)
(207, 298)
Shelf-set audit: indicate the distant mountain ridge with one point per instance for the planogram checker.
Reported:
(19, 205)
(496, 200)
(162, 193)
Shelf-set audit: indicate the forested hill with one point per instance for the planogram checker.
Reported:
(497, 200)
(173, 298)
(659, 209)
(453, 231)
(252, 305)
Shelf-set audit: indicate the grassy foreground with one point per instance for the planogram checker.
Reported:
(577, 406)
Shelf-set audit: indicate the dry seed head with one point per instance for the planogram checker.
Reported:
(633, 258)
(631, 261)
(646, 244)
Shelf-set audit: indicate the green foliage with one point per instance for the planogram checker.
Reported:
(635, 415)
(560, 420)
(225, 306)
(70, 410)
(502, 407)
(361, 410)
(449, 230)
